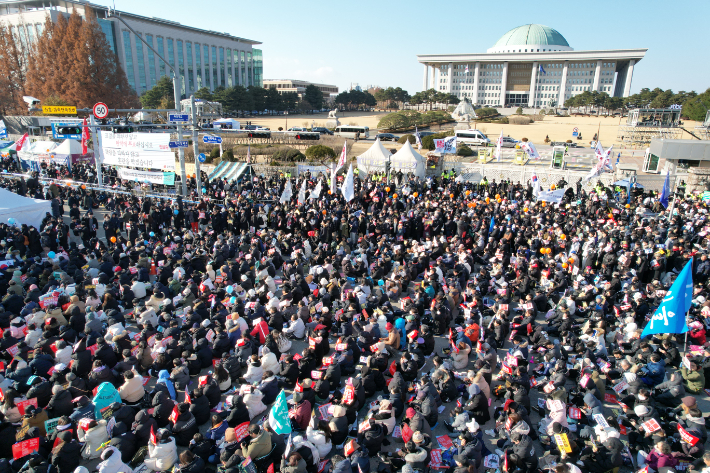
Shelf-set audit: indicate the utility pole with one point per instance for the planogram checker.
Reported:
(198, 176)
(176, 93)
(97, 150)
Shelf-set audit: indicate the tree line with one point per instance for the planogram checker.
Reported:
(70, 63)
(694, 105)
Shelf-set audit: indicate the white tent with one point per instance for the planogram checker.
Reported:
(408, 160)
(374, 159)
(36, 149)
(22, 209)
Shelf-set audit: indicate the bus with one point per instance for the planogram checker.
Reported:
(350, 131)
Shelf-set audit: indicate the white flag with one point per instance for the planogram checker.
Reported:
(302, 192)
(333, 176)
(316, 192)
(551, 196)
(446, 145)
(287, 193)
(343, 156)
(499, 147)
(418, 138)
(348, 188)
(530, 149)
(535, 184)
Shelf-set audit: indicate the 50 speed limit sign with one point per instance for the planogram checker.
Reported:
(100, 110)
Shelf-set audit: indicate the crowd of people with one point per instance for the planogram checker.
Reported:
(423, 325)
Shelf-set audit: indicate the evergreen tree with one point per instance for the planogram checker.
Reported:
(161, 93)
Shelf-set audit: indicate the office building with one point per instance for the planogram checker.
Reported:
(299, 86)
(202, 58)
(530, 66)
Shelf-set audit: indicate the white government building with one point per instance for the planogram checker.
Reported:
(530, 66)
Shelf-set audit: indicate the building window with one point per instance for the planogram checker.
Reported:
(229, 68)
(141, 65)
(128, 51)
(161, 51)
(244, 70)
(250, 76)
(190, 77)
(151, 59)
(171, 53)
(215, 73)
(222, 77)
(181, 68)
(206, 59)
(237, 74)
(198, 66)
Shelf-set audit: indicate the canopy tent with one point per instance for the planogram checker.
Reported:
(408, 160)
(69, 152)
(226, 124)
(374, 159)
(22, 209)
(36, 152)
(625, 183)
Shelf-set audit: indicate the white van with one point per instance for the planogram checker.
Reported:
(473, 137)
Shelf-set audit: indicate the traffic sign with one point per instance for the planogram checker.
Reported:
(100, 110)
(178, 117)
(178, 144)
(201, 157)
(575, 130)
(574, 133)
(212, 139)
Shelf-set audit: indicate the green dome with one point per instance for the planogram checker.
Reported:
(532, 35)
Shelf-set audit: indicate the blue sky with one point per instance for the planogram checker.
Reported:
(376, 42)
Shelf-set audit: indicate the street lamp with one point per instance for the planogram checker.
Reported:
(111, 13)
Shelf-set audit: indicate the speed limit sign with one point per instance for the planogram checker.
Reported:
(100, 110)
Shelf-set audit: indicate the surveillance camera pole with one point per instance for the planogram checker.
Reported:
(176, 93)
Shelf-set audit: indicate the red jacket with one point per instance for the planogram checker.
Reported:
(262, 329)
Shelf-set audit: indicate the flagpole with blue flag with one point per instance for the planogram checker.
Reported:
(666, 191)
(493, 224)
(542, 70)
(670, 315)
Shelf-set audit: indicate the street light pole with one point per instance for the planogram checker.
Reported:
(176, 94)
(195, 149)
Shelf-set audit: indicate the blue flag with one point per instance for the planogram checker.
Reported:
(666, 191)
(670, 315)
(542, 70)
(493, 224)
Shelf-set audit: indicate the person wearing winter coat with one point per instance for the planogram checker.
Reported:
(258, 444)
(457, 421)
(385, 415)
(654, 372)
(341, 465)
(131, 390)
(93, 438)
(254, 403)
(660, 457)
(477, 405)
(460, 357)
(112, 462)
(671, 392)
(269, 362)
(185, 426)
(254, 371)
(694, 378)
(372, 438)
(239, 412)
(66, 455)
(294, 464)
(296, 329)
(320, 437)
(60, 404)
(269, 387)
(142, 426)
(163, 455)
(199, 406)
(180, 375)
(338, 425)
(301, 411)
(191, 463)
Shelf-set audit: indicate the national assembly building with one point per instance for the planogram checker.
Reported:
(530, 66)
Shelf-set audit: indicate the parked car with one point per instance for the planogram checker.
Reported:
(387, 137)
(250, 127)
(508, 142)
(322, 130)
(422, 134)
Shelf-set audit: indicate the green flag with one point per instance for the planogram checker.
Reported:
(278, 417)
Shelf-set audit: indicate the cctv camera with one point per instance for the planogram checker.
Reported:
(30, 100)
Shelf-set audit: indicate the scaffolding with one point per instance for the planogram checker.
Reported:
(645, 124)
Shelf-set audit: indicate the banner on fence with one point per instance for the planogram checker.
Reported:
(163, 178)
(143, 150)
